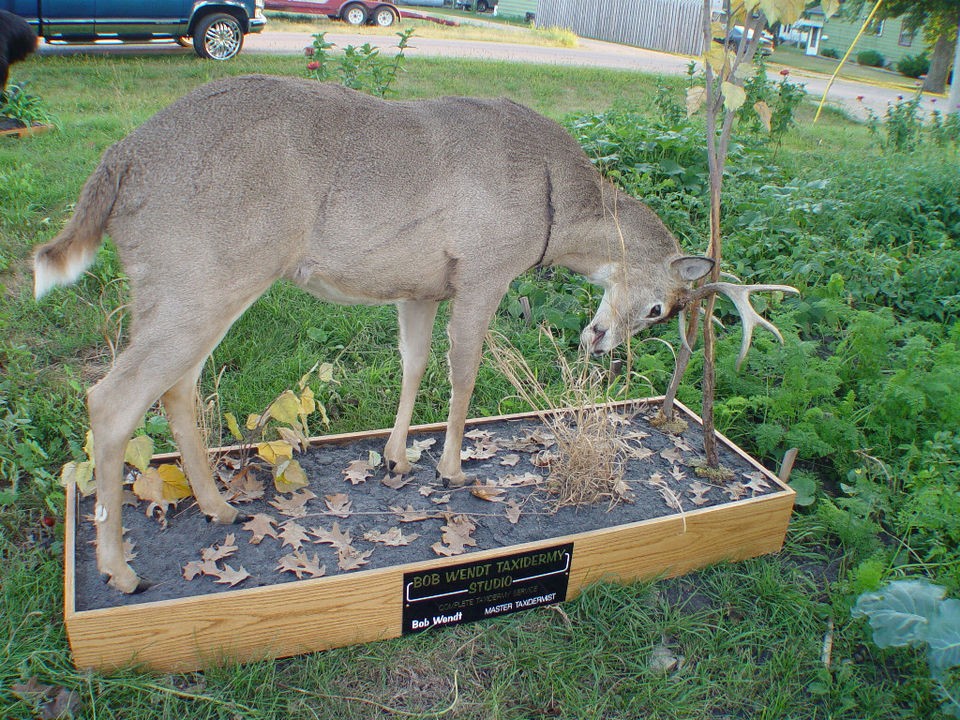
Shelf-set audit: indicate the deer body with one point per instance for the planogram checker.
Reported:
(357, 200)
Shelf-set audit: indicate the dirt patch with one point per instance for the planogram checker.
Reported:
(511, 505)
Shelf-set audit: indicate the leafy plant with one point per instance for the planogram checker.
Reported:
(914, 65)
(360, 68)
(871, 58)
(20, 105)
(916, 613)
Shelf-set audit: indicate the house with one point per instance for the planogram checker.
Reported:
(888, 37)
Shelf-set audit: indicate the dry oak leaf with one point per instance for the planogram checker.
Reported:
(338, 504)
(672, 455)
(349, 558)
(395, 482)
(698, 492)
(221, 551)
(393, 537)
(230, 576)
(478, 434)
(47, 702)
(456, 536)
(735, 490)
(358, 472)
(482, 450)
(544, 458)
(415, 451)
(299, 563)
(441, 499)
(293, 535)
(488, 492)
(295, 505)
(513, 512)
(261, 525)
(510, 460)
(410, 514)
(161, 487)
(194, 568)
(618, 420)
(639, 452)
(758, 482)
(243, 486)
(524, 480)
(335, 536)
(676, 472)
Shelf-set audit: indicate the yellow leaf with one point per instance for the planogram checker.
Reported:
(175, 485)
(830, 7)
(696, 96)
(233, 426)
(253, 422)
(323, 415)
(374, 459)
(718, 58)
(88, 447)
(293, 436)
(286, 408)
(786, 12)
(79, 474)
(325, 372)
(138, 452)
(733, 96)
(307, 402)
(763, 110)
(275, 452)
(289, 476)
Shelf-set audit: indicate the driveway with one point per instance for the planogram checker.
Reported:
(855, 98)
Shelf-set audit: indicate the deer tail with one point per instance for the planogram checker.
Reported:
(62, 260)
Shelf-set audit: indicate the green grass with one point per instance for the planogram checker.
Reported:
(796, 58)
(751, 634)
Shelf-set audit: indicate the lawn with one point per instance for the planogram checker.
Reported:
(866, 385)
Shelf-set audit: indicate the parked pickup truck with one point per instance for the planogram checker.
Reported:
(215, 27)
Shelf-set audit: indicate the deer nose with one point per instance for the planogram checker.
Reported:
(598, 334)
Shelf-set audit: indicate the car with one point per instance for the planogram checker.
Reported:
(765, 47)
(215, 28)
(354, 12)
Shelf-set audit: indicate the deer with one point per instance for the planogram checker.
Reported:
(357, 200)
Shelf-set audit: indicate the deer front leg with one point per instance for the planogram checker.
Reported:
(468, 325)
(416, 330)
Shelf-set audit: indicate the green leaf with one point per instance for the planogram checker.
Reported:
(734, 96)
(233, 426)
(943, 637)
(139, 452)
(900, 613)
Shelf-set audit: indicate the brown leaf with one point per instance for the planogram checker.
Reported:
(349, 558)
(513, 512)
(735, 490)
(338, 504)
(392, 537)
(48, 702)
(478, 434)
(358, 471)
(294, 505)
(544, 458)
(293, 535)
(676, 472)
(456, 536)
(672, 455)
(698, 491)
(758, 482)
(409, 513)
(441, 499)
(195, 568)
(618, 420)
(638, 452)
(299, 563)
(491, 493)
(336, 537)
(426, 490)
(482, 450)
(261, 525)
(524, 480)
(230, 576)
(243, 486)
(509, 460)
(395, 482)
(224, 550)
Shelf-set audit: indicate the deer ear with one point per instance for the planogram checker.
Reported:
(690, 267)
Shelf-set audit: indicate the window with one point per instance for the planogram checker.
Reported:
(906, 37)
(875, 28)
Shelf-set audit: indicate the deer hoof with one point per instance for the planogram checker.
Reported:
(128, 582)
(232, 517)
(399, 467)
(456, 481)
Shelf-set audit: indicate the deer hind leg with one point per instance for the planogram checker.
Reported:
(416, 330)
(180, 404)
(469, 320)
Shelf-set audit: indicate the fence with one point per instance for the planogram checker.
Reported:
(668, 25)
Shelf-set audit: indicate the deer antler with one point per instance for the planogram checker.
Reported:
(740, 295)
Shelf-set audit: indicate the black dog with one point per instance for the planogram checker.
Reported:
(17, 40)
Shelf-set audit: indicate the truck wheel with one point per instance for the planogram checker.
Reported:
(482, 6)
(355, 15)
(218, 37)
(383, 16)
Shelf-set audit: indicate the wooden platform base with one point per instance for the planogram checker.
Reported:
(311, 615)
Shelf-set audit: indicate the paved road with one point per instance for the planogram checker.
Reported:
(853, 97)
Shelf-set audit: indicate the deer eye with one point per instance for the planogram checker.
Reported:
(655, 312)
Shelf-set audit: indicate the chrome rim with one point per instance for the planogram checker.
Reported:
(222, 40)
(356, 16)
(384, 18)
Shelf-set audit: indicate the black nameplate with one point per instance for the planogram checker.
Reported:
(485, 588)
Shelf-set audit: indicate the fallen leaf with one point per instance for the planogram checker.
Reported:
(288, 476)
(294, 505)
(230, 576)
(512, 512)
(441, 499)
(350, 558)
(676, 472)
(426, 490)
(48, 702)
(618, 420)
(338, 504)
(478, 434)
(698, 492)
(261, 525)
(392, 537)
(395, 482)
(524, 480)
(456, 536)
(672, 455)
(544, 458)
(410, 514)
(758, 482)
(274, 452)
(735, 490)
(415, 451)
(509, 460)
(195, 568)
(244, 486)
(293, 535)
(490, 493)
(482, 450)
(299, 563)
(358, 472)
(221, 551)
(335, 536)
(639, 452)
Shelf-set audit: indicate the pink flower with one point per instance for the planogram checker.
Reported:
(933, 100)
(314, 65)
(859, 98)
(308, 51)
(784, 72)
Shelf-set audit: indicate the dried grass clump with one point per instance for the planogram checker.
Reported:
(590, 459)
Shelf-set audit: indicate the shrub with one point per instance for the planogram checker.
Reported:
(871, 58)
(914, 65)
(830, 53)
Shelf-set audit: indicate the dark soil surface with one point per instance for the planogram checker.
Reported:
(9, 123)
(659, 476)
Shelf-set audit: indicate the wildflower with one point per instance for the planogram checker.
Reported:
(308, 51)
(899, 97)
(859, 98)
(313, 65)
(785, 72)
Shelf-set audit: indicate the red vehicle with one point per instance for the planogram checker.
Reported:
(355, 12)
